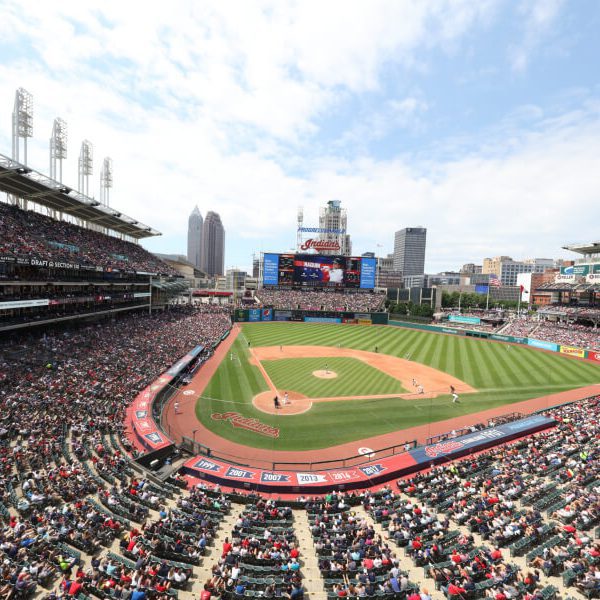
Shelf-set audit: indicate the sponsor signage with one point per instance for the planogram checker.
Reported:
(542, 344)
(321, 230)
(10, 305)
(320, 245)
(368, 266)
(575, 270)
(560, 278)
(322, 320)
(270, 269)
(509, 338)
(571, 351)
(593, 278)
(141, 294)
(282, 315)
(461, 319)
(594, 356)
(239, 421)
(267, 314)
(254, 314)
(471, 441)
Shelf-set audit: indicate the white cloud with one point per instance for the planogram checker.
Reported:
(209, 104)
(538, 18)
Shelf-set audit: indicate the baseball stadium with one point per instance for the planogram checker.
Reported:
(294, 421)
(298, 439)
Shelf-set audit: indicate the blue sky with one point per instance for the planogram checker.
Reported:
(479, 120)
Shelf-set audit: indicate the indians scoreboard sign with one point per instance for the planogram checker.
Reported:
(320, 245)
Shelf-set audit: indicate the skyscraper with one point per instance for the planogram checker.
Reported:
(333, 216)
(194, 239)
(213, 245)
(409, 254)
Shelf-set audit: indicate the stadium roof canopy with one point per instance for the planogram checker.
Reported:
(21, 181)
(589, 248)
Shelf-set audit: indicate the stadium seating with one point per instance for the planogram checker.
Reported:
(331, 300)
(29, 234)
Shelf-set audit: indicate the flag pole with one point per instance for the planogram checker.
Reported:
(519, 303)
(487, 300)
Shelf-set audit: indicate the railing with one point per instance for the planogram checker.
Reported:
(198, 448)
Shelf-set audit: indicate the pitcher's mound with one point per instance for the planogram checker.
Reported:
(297, 403)
(325, 374)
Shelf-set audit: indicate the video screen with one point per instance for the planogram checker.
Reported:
(311, 270)
(314, 270)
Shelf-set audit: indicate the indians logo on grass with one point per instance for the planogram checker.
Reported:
(242, 422)
(442, 448)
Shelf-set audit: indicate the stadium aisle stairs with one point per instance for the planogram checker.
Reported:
(415, 574)
(213, 552)
(313, 582)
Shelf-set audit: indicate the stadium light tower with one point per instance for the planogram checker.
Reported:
(58, 149)
(300, 221)
(106, 180)
(86, 166)
(22, 123)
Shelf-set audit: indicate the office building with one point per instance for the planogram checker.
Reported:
(332, 216)
(194, 238)
(507, 269)
(409, 254)
(213, 245)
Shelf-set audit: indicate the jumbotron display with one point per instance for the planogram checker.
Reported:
(314, 270)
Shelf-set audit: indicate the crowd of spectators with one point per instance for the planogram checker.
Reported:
(570, 334)
(331, 300)
(519, 327)
(29, 234)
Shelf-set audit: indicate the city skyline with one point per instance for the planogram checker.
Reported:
(480, 121)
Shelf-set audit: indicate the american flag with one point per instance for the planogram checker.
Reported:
(494, 280)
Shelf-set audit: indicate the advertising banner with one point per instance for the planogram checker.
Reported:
(461, 319)
(571, 351)
(322, 320)
(368, 267)
(481, 289)
(267, 314)
(457, 446)
(594, 356)
(575, 270)
(509, 338)
(254, 314)
(23, 304)
(282, 315)
(270, 269)
(542, 344)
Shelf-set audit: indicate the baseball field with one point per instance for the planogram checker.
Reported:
(348, 383)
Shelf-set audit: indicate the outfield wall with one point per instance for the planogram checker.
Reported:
(532, 342)
(268, 315)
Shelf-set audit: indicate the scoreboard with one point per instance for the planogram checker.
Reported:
(314, 270)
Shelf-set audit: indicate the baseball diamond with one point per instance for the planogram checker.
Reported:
(374, 393)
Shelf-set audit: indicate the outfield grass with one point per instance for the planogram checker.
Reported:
(502, 374)
(354, 377)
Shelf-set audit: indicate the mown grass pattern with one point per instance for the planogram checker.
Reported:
(502, 374)
(354, 377)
